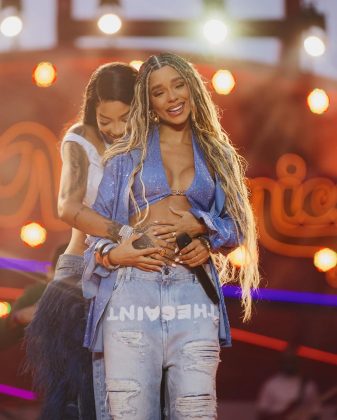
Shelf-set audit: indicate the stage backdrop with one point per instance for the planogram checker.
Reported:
(292, 172)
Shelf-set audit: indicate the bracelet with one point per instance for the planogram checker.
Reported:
(107, 249)
(205, 242)
(105, 257)
(101, 244)
(126, 231)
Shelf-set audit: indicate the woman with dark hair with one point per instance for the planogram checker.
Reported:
(61, 367)
(175, 169)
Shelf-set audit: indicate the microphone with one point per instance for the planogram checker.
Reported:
(182, 241)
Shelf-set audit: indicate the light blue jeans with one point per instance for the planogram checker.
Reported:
(155, 323)
(98, 372)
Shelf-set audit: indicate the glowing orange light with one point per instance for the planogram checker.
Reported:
(239, 257)
(318, 101)
(5, 309)
(44, 74)
(33, 234)
(136, 64)
(325, 259)
(223, 82)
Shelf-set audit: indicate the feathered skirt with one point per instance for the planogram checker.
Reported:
(61, 367)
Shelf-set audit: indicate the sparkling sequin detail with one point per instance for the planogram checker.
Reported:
(178, 192)
(200, 193)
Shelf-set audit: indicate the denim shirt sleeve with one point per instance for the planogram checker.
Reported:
(222, 231)
(103, 205)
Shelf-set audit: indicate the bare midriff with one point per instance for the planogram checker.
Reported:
(161, 210)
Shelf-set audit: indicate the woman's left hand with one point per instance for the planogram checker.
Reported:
(194, 254)
(186, 224)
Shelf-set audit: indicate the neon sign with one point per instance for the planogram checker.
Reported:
(296, 216)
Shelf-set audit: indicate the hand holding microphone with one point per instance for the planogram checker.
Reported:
(184, 240)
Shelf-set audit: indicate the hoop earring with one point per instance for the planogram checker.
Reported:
(153, 117)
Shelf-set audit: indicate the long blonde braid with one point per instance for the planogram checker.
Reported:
(220, 155)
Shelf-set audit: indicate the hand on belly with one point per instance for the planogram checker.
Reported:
(170, 217)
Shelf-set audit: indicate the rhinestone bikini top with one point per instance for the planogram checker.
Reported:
(200, 193)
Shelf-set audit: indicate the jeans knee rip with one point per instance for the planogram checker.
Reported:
(201, 356)
(119, 394)
(196, 406)
(131, 338)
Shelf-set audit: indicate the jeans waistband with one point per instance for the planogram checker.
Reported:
(180, 272)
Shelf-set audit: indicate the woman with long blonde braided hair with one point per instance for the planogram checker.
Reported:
(220, 154)
(175, 176)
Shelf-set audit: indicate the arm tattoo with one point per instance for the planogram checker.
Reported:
(144, 228)
(81, 210)
(143, 242)
(112, 231)
(79, 170)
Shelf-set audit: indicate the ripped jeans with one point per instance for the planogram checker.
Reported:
(155, 324)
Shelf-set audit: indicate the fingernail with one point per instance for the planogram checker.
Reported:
(155, 232)
(176, 250)
(174, 265)
(177, 260)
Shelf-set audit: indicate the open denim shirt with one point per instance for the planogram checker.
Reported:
(113, 202)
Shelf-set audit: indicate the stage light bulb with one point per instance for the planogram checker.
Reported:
(44, 74)
(5, 309)
(33, 234)
(238, 257)
(136, 64)
(318, 101)
(11, 26)
(314, 46)
(109, 23)
(325, 259)
(223, 82)
(215, 31)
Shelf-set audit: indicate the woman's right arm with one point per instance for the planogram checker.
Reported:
(108, 192)
(73, 187)
(96, 221)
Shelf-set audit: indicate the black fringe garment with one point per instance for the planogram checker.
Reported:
(60, 365)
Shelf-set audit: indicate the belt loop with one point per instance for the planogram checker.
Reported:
(128, 273)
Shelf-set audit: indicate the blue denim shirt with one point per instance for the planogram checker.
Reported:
(113, 202)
